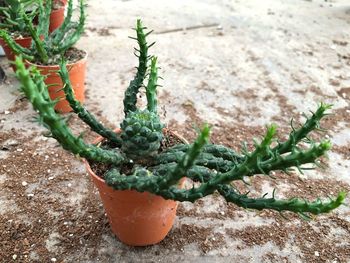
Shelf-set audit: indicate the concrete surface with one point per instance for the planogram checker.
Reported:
(231, 63)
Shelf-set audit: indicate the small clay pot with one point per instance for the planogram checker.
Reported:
(57, 16)
(137, 219)
(24, 42)
(76, 71)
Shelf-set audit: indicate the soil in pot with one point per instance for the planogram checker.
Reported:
(76, 65)
(57, 15)
(137, 219)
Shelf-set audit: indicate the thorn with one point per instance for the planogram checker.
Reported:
(304, 216)
(273, 193)
(151, 45)
(147, 34)
(282, 215)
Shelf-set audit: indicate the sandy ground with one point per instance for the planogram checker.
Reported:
(238, 65)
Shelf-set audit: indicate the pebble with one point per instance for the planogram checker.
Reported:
(50, 178)
(69, 185)
(317, 254)
(24, 183)
(14, 256)
(53, 259)
(6, 112)
(30, 195)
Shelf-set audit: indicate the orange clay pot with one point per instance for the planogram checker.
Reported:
(137, 219)
(24, 42)
(76, 72)
(57, 17)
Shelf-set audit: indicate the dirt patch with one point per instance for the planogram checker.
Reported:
(313, 239)
(204, 237)
(344, 93)
(36, 190)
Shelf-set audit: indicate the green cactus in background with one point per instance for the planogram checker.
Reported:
(215, 168)
(47, 48)
(11, 18)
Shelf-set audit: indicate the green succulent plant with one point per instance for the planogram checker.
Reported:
(11, 18)
(215, 168)
(48, 48)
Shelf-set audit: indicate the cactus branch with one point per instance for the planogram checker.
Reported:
(294, 205)
(83, 113)
(58, 35)
(70, 39)
(151, 88)
(311, 124)
(17, 49)
(36, 38)
(44, 19)
(130, 97)
(36, 91)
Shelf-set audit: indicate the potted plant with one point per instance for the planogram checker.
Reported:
(57, 14)
(14, 24)
(48, 48)
(139, 169)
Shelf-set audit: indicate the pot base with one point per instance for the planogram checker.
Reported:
(137, 219)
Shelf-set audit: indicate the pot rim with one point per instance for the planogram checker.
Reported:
(15, 39)
(100, 138)
(56, 66)
(63, 6)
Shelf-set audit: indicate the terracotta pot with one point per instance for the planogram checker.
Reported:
(76, 72)
(137, 219)
(24, 42)
(57, 17)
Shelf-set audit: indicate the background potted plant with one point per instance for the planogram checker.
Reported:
(48, 48)
(144, 163)
(12, 21)
(57, 14)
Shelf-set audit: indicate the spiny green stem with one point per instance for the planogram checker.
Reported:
(16, 48)
(130, 97)
(58, 35)
(294, 205)
(203, 159)
(151, 88)
(218, 151)
(197, 173)
(36, 38)
(83, 113)
(36, 92)
(71, 39)
(297, 135)
(139, 182)
(44, 19)
(187, 160)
